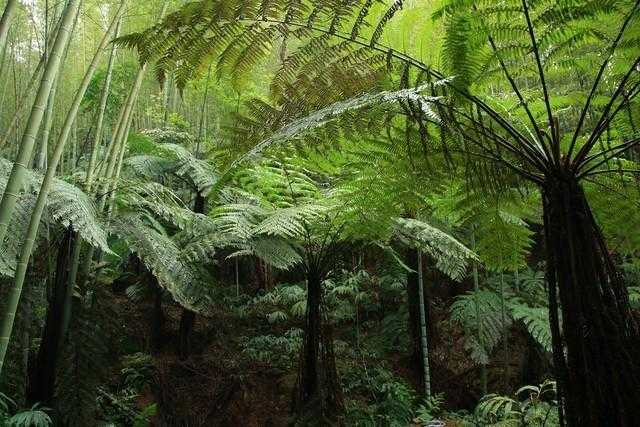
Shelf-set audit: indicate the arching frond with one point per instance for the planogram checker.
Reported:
(536, 320)
(452, 257)
(164, 259)
(168, 158)
(325, 115)
(289, 222)
(274, 251)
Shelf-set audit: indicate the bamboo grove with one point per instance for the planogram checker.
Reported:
(346, 212)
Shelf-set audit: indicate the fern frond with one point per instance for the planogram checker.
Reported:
(330, 113)
(452, 257)
(163, 258)
(536, 320)
(479, 313)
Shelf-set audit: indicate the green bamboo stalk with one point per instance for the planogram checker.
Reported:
(123, 149)
(120, 136)
(103, 107)
(104, 174)
(476, 288)
(202, 111)
(423, 330)
(41, 160)
(20, 104)
(106, 171)
(6, 80)
(108, 165)
(5, 21)
(102, 170)
(47, 125)
(18, 172)
(34, 222)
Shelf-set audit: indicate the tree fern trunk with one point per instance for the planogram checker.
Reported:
(187, 322)
(157, 319)
(318, 393)
(597, 354)
(188, 317)
(41, 387)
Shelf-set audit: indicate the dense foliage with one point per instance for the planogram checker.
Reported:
(291, 212)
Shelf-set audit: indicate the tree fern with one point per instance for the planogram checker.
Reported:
(164, 259)
(86, 358)
(168, 158)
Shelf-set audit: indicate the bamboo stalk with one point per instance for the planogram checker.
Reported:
(5, 21)
(103, 107)
(423, 330)
(20, 103)
(32, 231)
(18, 172)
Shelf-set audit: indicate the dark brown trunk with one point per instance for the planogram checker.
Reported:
(187, 322)
(411, 260)
(157, 319)
(597, 353)
(188, 317)
(42, 375)
(318, 392)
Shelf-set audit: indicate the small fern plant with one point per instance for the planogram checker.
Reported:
(530, 406)
(36, 416)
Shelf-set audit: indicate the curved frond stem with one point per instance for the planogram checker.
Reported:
(616, 151)
(526, 144)
(516, 89)
(491, 155)
(487, 132)
(555, 142)
(537, 179)
(604, 122)
(596, 83)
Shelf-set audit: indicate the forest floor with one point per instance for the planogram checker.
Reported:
(218, 385)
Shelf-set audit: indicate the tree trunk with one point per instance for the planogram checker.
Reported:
(597, 354)
(187, 322)
(42, 376)
(157, 319)
(318, 393)
(188, 318)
